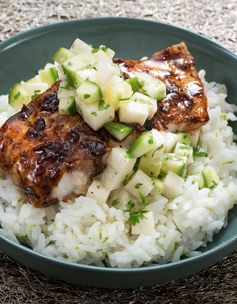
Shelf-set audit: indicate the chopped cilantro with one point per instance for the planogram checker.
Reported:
(95, 50)
(137, 214)
(86, 96)
(138, 185)
(17, 95)
(104, 48)
(36, 93)
(223, 116)
(131, 205)
(115, 202)
(143, 198)
(102, 106)
(184, 147)
(69, 63)
(135, 84)
(150, 141)
(94, 113)
(199, 152)
(104, 240)
(160, 147)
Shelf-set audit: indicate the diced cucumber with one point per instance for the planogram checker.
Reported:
(155, 89)
(111, 178)
(139, 183)
(119, 160)
(93, 116)
(61, 55)
(142, 144)
(71, 66)
(199, 152)
(110, 53)
(150, 163)
(18, 96)
(184, 150)
(49, 76)
(145, 225)
(150, 102)
(159, 139)
(133, 112)
(151, 86)
(86, 74)
(173, 185)
(118, 130)
(120, 166)
(198, 178)
(35, 79)
(116, 90)
(176, 164)
(106, 71)
(67, 106)
(98, 192)
(35, 88)
(149, 167)
(89, 92)
(134, 83)
(210, 177)
(184, 138)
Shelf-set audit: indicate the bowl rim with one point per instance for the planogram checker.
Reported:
(40, 31)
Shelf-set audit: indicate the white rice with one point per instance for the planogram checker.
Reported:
(86, 232)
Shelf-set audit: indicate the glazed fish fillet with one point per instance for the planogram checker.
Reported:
(48, 155)
(51, 156)
(185, 107)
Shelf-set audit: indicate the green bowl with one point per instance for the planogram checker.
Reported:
(21, 57)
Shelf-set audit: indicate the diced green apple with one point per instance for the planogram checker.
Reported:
(93, 116)
(133, 112)
(173, 185)
(89, 92)
(145, 225)
(150, 102)
(139, 183)
(98, 192)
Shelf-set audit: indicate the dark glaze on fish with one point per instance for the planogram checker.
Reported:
(38, 145)
(185, 106)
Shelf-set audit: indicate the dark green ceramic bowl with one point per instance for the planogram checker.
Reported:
(21, 57)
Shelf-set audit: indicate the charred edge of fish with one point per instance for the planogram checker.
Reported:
(50, 103)
(26, 111)
(95, 147)
(37, 128)
(55, 151)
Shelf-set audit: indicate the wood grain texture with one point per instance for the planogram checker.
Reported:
(214, 19)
